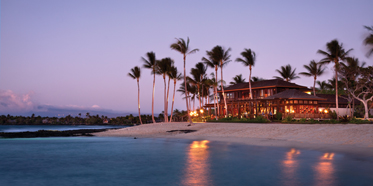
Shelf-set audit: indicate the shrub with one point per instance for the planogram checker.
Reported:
(278, 115)
(303, 120)
(344, 118)
(312, 121)
(333, 114)
(359, 121)
(288, 119)
(259, 119)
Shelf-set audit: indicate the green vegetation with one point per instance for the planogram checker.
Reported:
(259, 119)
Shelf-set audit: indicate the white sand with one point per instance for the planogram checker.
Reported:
(349, 138)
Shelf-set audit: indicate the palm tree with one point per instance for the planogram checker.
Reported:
(176, 76)
(183, 47)
(237, 79)
(163, 68)
(248, 60)
(314, 69)
(369, 40)
(198, 75)
(322, 85)
(287, 73)
(201, 70)
(151, 63)
(220, 55)
(136, 74)
(256, 78)
(334, 53)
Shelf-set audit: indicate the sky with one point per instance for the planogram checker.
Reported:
(74, 55)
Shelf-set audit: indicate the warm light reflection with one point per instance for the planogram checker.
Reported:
(197, 167)
(290, 165)
(325, 170)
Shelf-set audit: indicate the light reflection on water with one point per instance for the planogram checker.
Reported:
(324, 170)
(290, 166)
(197, 170)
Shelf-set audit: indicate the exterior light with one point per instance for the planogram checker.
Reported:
(201, 110)
(287, 110)
(191, 114)
(325, 111)
(320, 110)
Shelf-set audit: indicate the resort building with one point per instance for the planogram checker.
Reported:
(273, 96)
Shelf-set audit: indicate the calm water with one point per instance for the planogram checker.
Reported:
(128, 161)
(24, 128)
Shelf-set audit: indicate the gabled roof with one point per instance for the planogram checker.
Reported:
(294, 94)
(264, 84)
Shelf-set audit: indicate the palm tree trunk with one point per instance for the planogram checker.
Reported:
(153, 99)
(165, 86)
(186, 93)
(173, 99)
(138, 98)
(336, 88)
(222, 89)
(314, 88)
(216, 93)
(168, 91)
(199, 96)
(251, 92)
(216, 116)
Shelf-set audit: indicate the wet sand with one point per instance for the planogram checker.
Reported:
(346, 138)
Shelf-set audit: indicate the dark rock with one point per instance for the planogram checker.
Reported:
(50, 133)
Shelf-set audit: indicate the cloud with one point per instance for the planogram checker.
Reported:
(11, 102)
(15, 104)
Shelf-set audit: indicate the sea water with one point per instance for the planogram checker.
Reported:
(33, 128)
(159, 162)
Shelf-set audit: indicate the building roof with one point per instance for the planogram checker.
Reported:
(294, 94)
(263, 84)
(330, 98)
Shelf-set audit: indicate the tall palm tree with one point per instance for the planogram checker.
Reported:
(136, 74)
(287, 73)
(248, 59)
(163, 68)
(201, 70)
(369, 40)
(198, 75)
(183, 47)
(314, 69)
(176, 76)
(151, 63)
(237, 79)
(334, 53)
(215, 65)
(222, 56)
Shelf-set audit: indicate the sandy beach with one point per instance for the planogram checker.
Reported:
(347, 138)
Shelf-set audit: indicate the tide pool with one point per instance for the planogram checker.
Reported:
(145, 161)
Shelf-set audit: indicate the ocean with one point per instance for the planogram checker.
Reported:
(159, 162)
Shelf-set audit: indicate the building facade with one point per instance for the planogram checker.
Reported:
(273, 96)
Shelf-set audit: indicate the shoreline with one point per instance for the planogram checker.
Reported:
(343, 138)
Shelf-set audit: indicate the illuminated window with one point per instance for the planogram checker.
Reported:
(314, 102)
(310, 102)
(291, 101)
(295, 101)
(300, 101)
(305, 102)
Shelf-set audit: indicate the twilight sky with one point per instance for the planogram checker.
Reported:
(74, 55)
